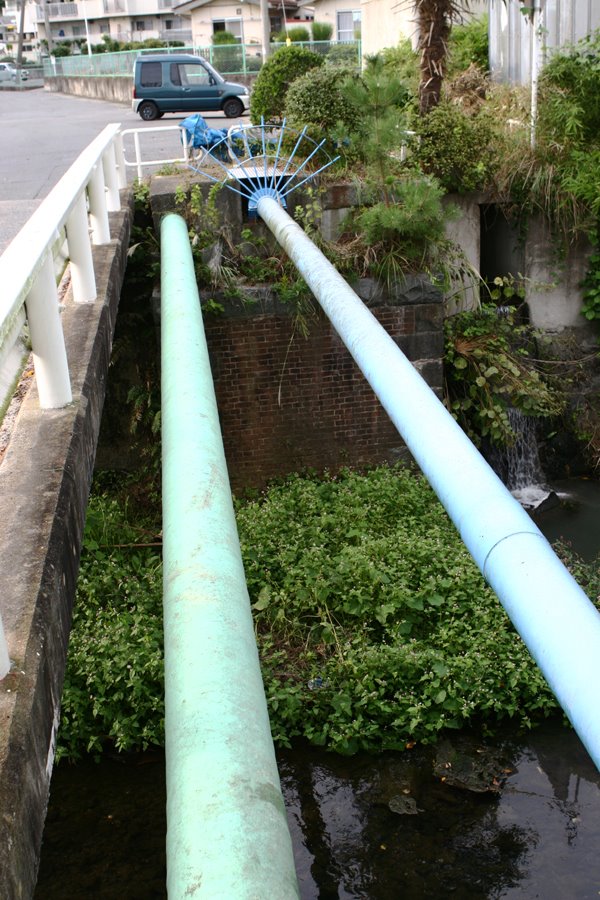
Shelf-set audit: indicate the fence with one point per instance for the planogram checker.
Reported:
(228, 59)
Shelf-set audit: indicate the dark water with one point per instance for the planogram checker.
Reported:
(537, 836)
(577, 519)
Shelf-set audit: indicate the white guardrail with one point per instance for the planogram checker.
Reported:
(75, 214)
(78, 207)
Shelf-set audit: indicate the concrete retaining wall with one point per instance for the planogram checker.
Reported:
(44, 484)
(116, 88)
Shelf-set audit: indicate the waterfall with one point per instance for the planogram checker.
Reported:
(523, 467)
(519, 465)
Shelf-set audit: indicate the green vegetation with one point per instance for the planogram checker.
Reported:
(456, 147)
(113, 690)
(469, 45)
(373, 624)
(318, 99)
(321, 31)
(273, 80)
(489, 368)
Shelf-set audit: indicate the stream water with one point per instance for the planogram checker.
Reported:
(538, 835)
(376, 828)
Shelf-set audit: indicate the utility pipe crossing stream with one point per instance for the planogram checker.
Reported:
(554, 617)
(227, 833)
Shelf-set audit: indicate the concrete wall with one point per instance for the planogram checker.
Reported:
(44, 484)
(554, 293)
(117, 88)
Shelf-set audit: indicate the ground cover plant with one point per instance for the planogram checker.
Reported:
(374, 627)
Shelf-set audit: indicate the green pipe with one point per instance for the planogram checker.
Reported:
(227, 833)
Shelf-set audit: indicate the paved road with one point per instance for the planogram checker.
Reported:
(41, 135)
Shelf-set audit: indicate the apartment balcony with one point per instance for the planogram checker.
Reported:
(114, 7)
(91, 9)
(60, 11)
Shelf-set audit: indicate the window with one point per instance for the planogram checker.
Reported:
(193, 74)
(140, 26)
(151, 75)
(169, 24)
(233, 26)
(104, 29)
(348, 25)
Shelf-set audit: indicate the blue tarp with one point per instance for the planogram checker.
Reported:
(200, 136)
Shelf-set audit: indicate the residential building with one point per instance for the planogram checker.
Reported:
(378, 23)
(193, 23)
(10, 22)
(122, 20)
(241, 18)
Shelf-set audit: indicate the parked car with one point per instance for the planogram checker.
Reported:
(8, 72)
(169, 82)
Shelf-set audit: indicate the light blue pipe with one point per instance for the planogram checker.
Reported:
(555, 619)
(227, 833)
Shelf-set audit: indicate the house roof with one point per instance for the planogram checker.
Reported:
(189, 6)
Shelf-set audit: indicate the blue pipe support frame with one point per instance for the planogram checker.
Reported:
(227, 832)
(552, 614)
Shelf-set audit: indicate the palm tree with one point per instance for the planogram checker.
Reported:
(434, 23)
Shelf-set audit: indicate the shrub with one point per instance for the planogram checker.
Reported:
(224, 37)
(488, 369)
(273, 80)
(318, 98)
(298, 34)
(455, 147)
(403, 63)
(409, 227)
(569, 108)
(228, 57)
(321, 31)
(469, 45)
(61, 50)
(343, 55)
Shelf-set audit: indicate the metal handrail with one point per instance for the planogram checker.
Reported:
(139, 163)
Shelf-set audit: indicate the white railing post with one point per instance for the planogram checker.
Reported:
(83, 278)
(47, 339)
(120, 156)
(98, 207)
(4, 657)
(109, 167)
(138, 154)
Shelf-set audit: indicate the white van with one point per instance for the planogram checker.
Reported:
(9, 73)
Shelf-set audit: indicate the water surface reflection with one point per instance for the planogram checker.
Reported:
(373, 828)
